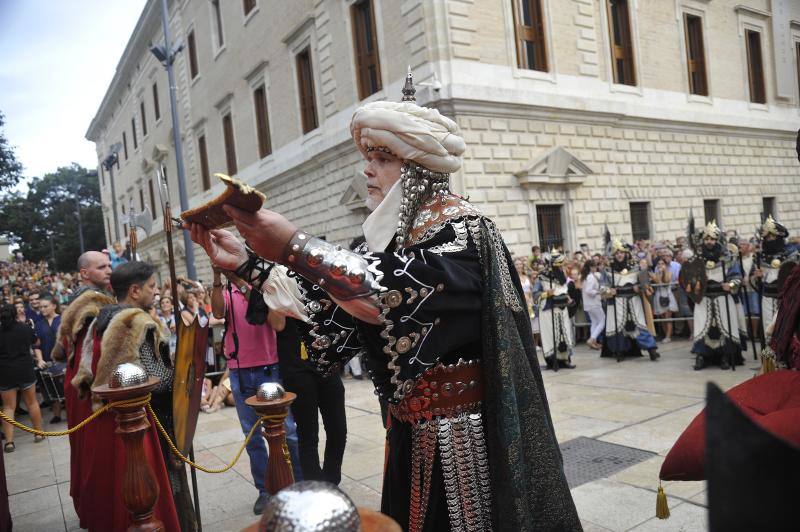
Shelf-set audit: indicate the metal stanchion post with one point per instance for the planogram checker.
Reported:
(139, 485)
(273, 402)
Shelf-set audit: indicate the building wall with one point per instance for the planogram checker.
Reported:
(652, 142)
(672, 169)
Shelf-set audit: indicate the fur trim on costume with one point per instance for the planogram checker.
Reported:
(123, 338)
(82, 380)
(86, 306)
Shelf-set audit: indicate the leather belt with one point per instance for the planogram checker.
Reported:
(442, 391)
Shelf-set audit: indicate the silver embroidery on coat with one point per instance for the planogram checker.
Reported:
(460, 242)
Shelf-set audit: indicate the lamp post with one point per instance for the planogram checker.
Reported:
(108, 163)
(166, 55)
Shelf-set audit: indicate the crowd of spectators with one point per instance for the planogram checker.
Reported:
(661, 260)
(32, 297)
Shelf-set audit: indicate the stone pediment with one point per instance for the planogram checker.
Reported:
(355, 195)
(556, 167)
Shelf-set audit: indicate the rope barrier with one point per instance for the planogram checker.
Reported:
(131, 402)
(145, 401)
(195, 465)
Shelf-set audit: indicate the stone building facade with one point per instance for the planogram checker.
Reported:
(553, 153)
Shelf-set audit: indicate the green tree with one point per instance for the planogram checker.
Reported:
(10, 168)
(47, 216)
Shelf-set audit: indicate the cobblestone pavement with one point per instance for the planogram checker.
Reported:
(626, 413)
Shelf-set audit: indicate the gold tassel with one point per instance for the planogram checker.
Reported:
(767, 365)
(662, 509)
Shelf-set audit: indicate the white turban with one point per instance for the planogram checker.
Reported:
(411, 132)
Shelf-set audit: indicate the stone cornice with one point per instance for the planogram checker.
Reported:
(748, 10)
(133, 50)
(460, 106)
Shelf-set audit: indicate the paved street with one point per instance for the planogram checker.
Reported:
(633, 410)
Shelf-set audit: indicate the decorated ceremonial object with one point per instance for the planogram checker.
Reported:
(316, 506)
(310, 506)
(270, 391)
(129, 383)
(712, 230)
(236, 194)
(770, 401)
(693, 278)
(272, 403)
(126, 375)
(752, 473)
(190, 369)
(773, 228)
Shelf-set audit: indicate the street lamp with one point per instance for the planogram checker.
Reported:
(108, 163)
(166, 56)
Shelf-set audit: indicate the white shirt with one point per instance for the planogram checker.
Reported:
(591, 292)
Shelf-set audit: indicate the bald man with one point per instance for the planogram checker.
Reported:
(85, 303)
(94, 268)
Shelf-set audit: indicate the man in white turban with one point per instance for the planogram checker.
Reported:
(431, 301)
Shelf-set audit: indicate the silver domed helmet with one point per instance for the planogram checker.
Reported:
(310, 506)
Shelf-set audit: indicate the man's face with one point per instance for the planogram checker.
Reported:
(382, 171)
(47, 308)
(709, 242)
(744, 247)
(619, 256)
(98, 272)
(143, 296)
(34, 301)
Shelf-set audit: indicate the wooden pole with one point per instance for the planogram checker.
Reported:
(279, 465)
(139, 485)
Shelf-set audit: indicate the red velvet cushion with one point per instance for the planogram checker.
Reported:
(771, 400)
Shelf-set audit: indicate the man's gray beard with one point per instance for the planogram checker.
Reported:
(372, 203)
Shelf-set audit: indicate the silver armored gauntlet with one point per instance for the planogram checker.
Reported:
(344, 274)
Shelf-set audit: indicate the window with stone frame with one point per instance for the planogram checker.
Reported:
(548, 218)
(124, 147)
(230, 145)
(133, 133)
(202, 151)
(755, 66)
(695, 54)
(156, 107)
(768, 207)
(216, 15)
(152, 198)
(711, 210)
(262, 121)
(365, 42)
(797, 59)
(619, 28)
(248, 6)
(190, 42)
(529, 32)
(144, 118)
(305, 82)
(640, 220)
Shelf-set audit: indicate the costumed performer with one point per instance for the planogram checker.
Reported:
(124, 332)
(432, 300)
